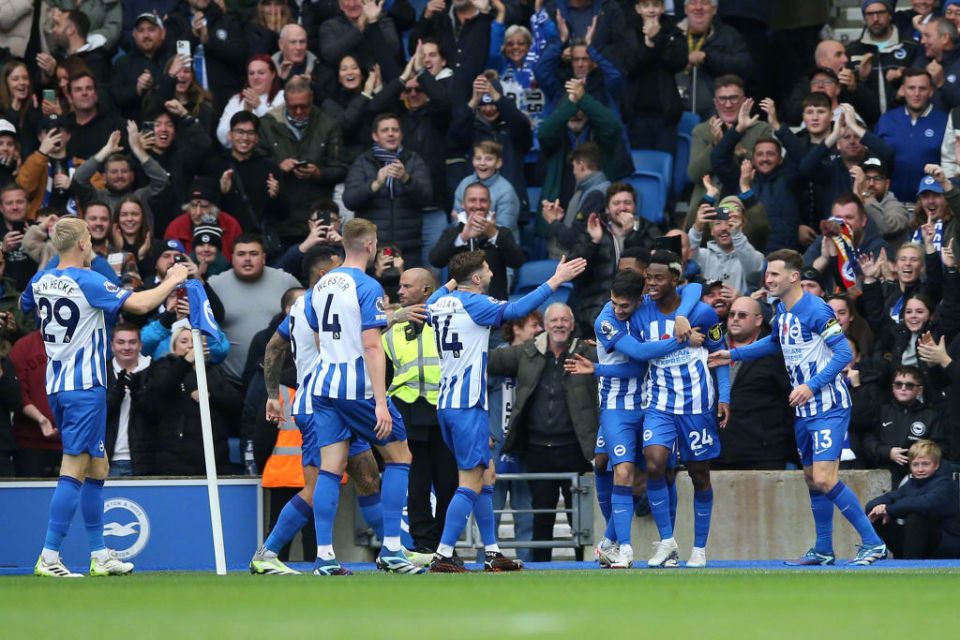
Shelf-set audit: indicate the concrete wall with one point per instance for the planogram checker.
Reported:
(757, 515)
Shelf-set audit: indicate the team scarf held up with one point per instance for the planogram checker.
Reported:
(387, 157)
(839, 232)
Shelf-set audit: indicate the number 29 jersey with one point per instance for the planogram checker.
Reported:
(297, 329)
(346, 302)
(461, 321)
(76, 308)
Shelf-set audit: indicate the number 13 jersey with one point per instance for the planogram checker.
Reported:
(461, 321)
(346, 302)
(76, 308)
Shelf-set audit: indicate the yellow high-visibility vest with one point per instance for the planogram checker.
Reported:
(416, 364)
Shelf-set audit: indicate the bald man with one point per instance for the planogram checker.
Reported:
(411, 350)
(830, 54)
(293, 58)
(759, 434)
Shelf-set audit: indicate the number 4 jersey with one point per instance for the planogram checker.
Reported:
(346, 302)
(76, 309)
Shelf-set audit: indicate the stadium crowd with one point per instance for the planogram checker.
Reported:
(237, 136)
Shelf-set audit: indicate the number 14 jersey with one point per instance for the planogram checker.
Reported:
(76, 309)
(346, 302)
(461, 321)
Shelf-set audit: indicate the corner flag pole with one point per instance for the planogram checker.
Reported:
(213, 493)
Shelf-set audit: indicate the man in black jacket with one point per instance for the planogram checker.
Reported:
(902, 422)
(759, 434)
(125, 442)
(389, 185)
(135, 73)
(216, 42)
(477, 229)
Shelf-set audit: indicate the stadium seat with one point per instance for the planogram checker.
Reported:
(684, 141)
(532, 274)
(659, 162)
(652, 193)
(533, 197)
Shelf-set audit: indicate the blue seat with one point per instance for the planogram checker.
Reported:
(647, 161)
(533, 197)
(652, 193)
(532, 274)
(688, 121)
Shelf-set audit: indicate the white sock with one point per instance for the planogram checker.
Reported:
(268, 554)
(50, 556)
(445, 550)
(702, 550)
(491, 548)
(392, 543)
(100, 555)
(606, 542)
(669, 540)
(626, 548)
(325, 552)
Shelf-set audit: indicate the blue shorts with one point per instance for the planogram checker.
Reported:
(821, 437)
(336, 420)
(694, 434)
(622, 430)
(81, 417)
(310, 452)
(467, 434)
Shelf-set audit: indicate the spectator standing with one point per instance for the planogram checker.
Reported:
(125, 422)
(13, 206)
(70, 35)
(10, 403)
(306, 145)
(203, 208)
(941, 59)
(487, 162)
(871, 181)
(759, 433)
(914, 131)
(363, 30)
(90, 126)
(261, 93)
(589, 195)
(47, 173)
(135, 73)
(179, 82)
(388, 185)
(553, 424)
(39, 447)
(729, 257)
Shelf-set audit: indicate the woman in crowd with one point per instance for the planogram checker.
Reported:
(261, 92)
(263, 31)
(179, 83)
(18, 104)
(130, 234)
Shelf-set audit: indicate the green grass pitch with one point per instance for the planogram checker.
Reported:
(532, 604)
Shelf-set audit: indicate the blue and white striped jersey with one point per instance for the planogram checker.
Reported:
(297, 328)
(614, 392)
(346, 302)
(679, 382)
(461, 321)
(803, 334)
(76, 309)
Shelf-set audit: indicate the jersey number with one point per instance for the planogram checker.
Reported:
(822, 440)
(64, 311)
(293, 341)
(331, 321)
(698, 440)
(447, 340)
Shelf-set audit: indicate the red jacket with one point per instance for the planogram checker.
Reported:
(29, 357)
(182, 229)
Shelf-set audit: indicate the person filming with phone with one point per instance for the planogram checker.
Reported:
(728, 257)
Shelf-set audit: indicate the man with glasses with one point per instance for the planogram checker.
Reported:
(901, 422)
(871, 182)
(250, 180)
(882, 52)
(758, 434)
(726, 101)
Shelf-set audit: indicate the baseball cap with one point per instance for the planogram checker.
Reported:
(873, 163)
(929, 184)
(150, 17)
(172, 244)
(7, 127)
(208, 234)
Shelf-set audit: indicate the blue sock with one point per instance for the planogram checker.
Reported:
(846, 500)
(702, 508)
(660, 506)
(672, 490)
(393, 495)
(611, 531)
(294, 515)
(372, 512)
(326, 497)
(604, 482)
(483, 512)
(91, 506)
(461, 505)
(622, 502)
(63, 505)
(823, 520)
